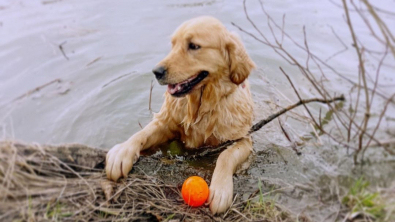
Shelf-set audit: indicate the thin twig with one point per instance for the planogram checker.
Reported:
(363, 76)
(62, 50)
(293, 143)
(38, 88)
(377, 126)
(119, 77)
(383, 27)
(341, 41)
(150, 95)
(93, 61)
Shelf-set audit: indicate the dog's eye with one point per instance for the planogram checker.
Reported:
(193, 46)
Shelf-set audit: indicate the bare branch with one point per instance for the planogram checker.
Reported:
(210, 150)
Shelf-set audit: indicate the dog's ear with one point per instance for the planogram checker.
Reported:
(240, 64)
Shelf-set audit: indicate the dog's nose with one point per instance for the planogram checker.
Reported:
(159, 72)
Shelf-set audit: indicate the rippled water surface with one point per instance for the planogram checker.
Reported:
(92, 62)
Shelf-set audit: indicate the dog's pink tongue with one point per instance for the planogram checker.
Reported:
(173, 88)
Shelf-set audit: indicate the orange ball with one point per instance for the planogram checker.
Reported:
(195, 191)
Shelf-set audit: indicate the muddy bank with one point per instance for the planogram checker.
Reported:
(67, 183)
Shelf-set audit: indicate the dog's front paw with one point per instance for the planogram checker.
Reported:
(221, 193)
(120, 159)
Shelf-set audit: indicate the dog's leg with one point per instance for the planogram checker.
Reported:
(121, 157)
(221, 188)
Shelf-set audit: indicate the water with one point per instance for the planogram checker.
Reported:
(103, 41)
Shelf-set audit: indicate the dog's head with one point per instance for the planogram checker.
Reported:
(203, 50)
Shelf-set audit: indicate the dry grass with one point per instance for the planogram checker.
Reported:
(67, 183)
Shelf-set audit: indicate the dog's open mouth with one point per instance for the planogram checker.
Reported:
(184, 87)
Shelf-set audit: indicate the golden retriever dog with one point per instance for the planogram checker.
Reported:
(208, 101)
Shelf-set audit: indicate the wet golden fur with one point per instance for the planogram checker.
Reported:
(218, 109)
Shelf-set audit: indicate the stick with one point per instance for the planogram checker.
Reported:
(263, 122)
(150, 95)
(61, 49)
(38, 88)
(210, 150)
(95, 60)
(119, 77)
(289, 138)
